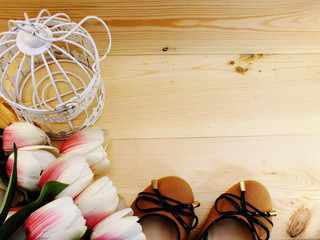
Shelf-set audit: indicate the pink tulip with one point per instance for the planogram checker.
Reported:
(71, 169)
(23, 134)
(97, 201)
(92, 142)
(31, 161)
(120, 226)
(57, 220)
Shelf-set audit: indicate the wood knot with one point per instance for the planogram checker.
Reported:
(241, 70)
(298, 222)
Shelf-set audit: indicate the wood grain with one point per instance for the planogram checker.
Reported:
(210, 95)
(189, 27)
(287, 165)
(213, 91)
(207, 95)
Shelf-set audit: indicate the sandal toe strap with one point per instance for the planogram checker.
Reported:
(172, 206)
(248, 211)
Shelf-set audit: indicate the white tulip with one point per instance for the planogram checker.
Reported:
(120, 225)
(71, 169)
(57, 220)
(97, 201)
(23, 134)
(92, 142)
(31, 162)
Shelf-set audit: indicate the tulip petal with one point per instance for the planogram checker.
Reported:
(100, 193)
(65, 169)
(94, 188)
(93, 214)
(101, 168)
(53, 218)
(120, 229)
(96, 155)
(23, 134)
(85, 141)
(31, 161)
(119, 226)
(28, 170)
(115, 216)
(54, 151)
(70, 233)
(75, 188)
(71, 169)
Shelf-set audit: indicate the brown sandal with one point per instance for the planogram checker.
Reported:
(245, 204)
(168, 198)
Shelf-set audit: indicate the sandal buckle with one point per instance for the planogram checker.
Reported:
(155, 183)
(242, 186)
(195, 204)
(273, 213)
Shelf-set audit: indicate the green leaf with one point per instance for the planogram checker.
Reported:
(8, 197)
(48, 192)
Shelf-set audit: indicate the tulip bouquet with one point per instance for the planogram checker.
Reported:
(47, 193)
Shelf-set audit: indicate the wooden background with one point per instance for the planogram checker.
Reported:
(213, 91)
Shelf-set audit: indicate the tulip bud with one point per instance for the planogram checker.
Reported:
(120, 225)
(59, 219)
(92, 142)
(97, 201)
(23, 134)
(71, 169)
(31, 162)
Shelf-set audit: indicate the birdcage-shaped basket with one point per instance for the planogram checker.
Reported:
(49, 73)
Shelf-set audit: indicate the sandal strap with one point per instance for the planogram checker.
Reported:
(242, 209)
(170, 205)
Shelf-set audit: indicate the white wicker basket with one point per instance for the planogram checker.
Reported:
(49, 73)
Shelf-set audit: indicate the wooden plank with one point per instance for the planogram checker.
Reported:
(210, 95)
(216, 95)
(189, 27)
(287, 165)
